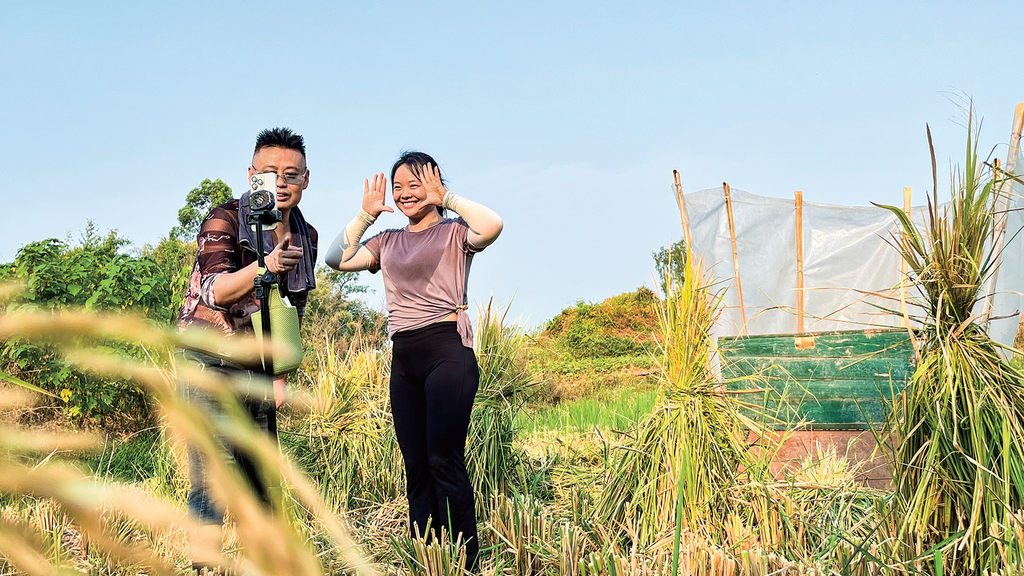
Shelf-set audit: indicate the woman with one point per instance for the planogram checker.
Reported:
(434, 374)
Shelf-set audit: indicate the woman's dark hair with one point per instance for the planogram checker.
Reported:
(417, 162)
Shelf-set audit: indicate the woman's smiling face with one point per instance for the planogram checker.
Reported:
(409, 194)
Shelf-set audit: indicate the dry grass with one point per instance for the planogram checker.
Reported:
(553, 503)
(120, 523)
(143, 528)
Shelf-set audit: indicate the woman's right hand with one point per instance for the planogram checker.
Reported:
(373, 195)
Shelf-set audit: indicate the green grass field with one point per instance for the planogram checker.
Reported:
(618, 409)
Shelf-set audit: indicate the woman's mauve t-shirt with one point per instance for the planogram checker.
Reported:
(426, 274)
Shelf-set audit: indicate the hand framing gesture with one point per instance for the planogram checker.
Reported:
(373, 195)
(431, 178)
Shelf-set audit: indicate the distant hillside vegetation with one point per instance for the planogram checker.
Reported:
(622, 325)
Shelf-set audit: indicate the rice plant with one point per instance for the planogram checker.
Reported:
(959, 464)
(505, 383)
(524, 535)
(346, 439)
(618, 413)
(434, 556)
(676, 467)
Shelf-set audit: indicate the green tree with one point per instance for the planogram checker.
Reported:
(335, 313)
(670, 262)
(198, 203)
(176, 253)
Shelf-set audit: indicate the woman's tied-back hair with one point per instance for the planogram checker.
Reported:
(417, 163)
(280, 138)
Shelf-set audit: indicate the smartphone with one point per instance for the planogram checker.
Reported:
(263, 198)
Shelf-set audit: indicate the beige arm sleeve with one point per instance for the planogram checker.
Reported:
(345, 253)
(484, 223)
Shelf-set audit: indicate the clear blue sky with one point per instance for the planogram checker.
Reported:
(566, 118)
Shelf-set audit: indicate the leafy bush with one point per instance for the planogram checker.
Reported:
(619, 326)
(175, 258)
(95, 275)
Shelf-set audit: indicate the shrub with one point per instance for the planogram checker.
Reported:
(175, 259)
(95, 275)
(621, 325)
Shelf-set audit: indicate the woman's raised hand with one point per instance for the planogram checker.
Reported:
(374, 194)
(435, 190)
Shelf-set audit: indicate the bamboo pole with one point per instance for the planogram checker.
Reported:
(683, 217)
(1001, 208)
(903, 266)
(799, 205)
(735, 256)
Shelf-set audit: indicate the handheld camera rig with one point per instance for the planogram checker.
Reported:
(264, 215)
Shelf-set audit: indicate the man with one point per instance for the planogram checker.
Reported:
(221, 294)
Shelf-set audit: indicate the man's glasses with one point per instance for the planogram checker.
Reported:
(289, 177)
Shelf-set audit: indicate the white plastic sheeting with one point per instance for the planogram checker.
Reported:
(849, 263)
(1009, 291)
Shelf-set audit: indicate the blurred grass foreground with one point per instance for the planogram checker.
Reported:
(553, 500)
(602, 444)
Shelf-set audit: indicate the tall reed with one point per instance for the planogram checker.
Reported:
(959, 464)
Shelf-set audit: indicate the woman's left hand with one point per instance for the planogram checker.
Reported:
(435, 190)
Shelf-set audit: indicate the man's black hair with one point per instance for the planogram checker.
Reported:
(280, 138)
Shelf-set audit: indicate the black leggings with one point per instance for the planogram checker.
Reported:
(434, 379)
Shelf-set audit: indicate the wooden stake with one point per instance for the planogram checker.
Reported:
(735, 256)
(683, 217)
(799, 261)
(903, 266)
